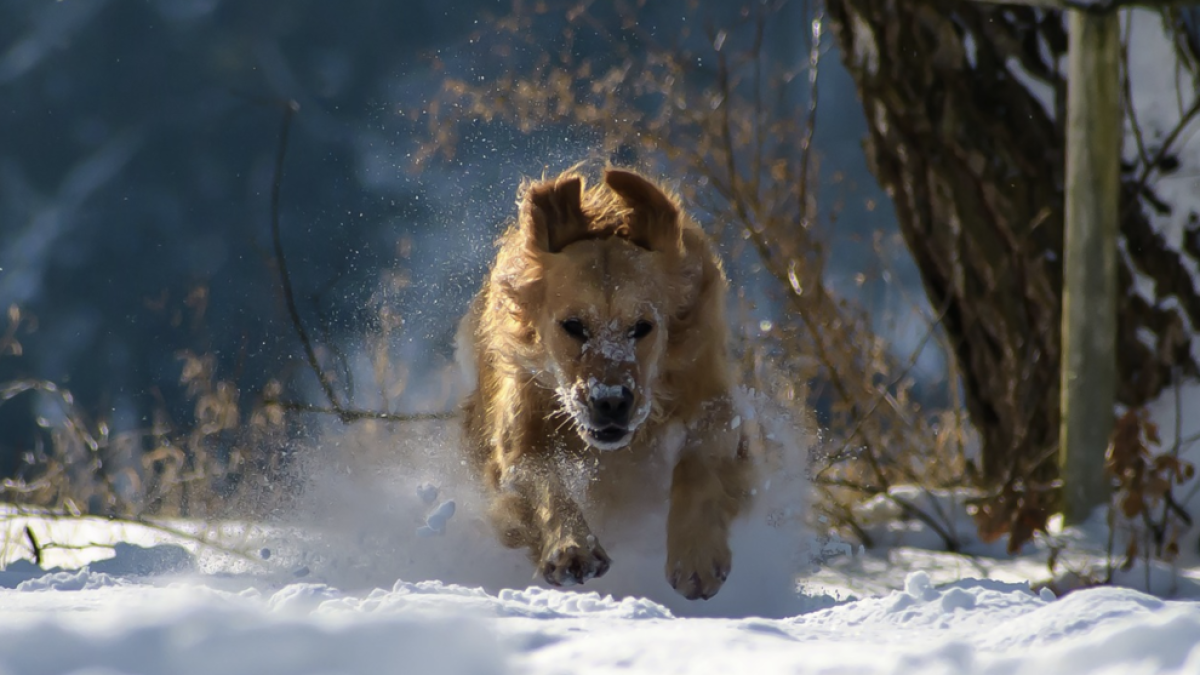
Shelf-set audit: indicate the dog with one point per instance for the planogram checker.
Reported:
(599, 338)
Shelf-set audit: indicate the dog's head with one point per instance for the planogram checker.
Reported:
(608, 265)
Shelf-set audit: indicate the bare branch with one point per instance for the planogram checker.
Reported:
(354, 415)
(1093, 6)
(883, 390)
(1127, 99)
(290, 108)
(909, 509)
(33, 544)
(1148, 169)
(345, 414)
(810, 123)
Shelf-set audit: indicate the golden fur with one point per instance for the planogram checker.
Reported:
(605, 303)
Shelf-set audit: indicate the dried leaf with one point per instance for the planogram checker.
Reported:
(1169, 463)
(1150, 430)
(1029, 520)
(1131, 552)
(1157, 487)
(1132, 504)
(991, 525)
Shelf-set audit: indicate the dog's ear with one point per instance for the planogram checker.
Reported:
(654, 216)
(552, 214)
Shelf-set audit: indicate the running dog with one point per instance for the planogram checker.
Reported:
(600, 337)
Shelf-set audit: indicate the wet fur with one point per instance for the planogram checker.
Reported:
(616, 252)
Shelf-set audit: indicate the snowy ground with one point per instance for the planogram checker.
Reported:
(124, 621)
(156, 601)
(376, 573)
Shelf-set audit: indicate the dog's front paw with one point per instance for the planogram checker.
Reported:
(571, 562)
(698, 573)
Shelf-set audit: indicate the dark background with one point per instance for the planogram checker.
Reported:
(137, 143)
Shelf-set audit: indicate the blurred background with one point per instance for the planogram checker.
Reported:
(895, 276)
(138, 149)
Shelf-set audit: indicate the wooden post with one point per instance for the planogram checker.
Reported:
(1089, 329)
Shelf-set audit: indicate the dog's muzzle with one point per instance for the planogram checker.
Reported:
(609, 409)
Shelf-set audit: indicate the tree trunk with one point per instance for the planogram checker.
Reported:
(965, 112)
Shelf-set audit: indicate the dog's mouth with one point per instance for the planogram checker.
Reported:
(610, 437)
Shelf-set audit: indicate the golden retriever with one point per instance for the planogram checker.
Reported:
(600, 338)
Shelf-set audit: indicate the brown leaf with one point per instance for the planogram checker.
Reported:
(991, 525)
(1020, 534)
(1150, 430)
(1125, 448)
(1131, 552)
(1172, 550)
(1157, 487)
(1132, 504)
(1029, 520)
(1168, 463)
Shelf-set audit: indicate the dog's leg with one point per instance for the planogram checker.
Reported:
(511, 449)
(709, 487)
(540, 512)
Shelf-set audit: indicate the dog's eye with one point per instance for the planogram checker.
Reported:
(640, 330)
(575, 329)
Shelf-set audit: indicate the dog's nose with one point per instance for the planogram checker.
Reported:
(612, 408)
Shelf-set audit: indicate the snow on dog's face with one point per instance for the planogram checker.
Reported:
(601, 277)
(603, 337)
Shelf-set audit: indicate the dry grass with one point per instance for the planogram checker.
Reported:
(228, 459)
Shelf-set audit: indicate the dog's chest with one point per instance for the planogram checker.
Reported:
(628, 483)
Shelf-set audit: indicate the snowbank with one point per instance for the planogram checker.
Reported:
(135, 625)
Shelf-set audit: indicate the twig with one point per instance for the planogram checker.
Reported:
(346, 415)
(290, 108)
(907, 507)
(1148, 169)
(1128, 98)
(733, 194)
(1112, 536)
(354, 415)
(1088, 6)
(882, 395)
(33, 544)
(810, 122)
(199, 539)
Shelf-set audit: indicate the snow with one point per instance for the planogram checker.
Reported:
(122, 621)
(1038, 88)
(352, 586)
